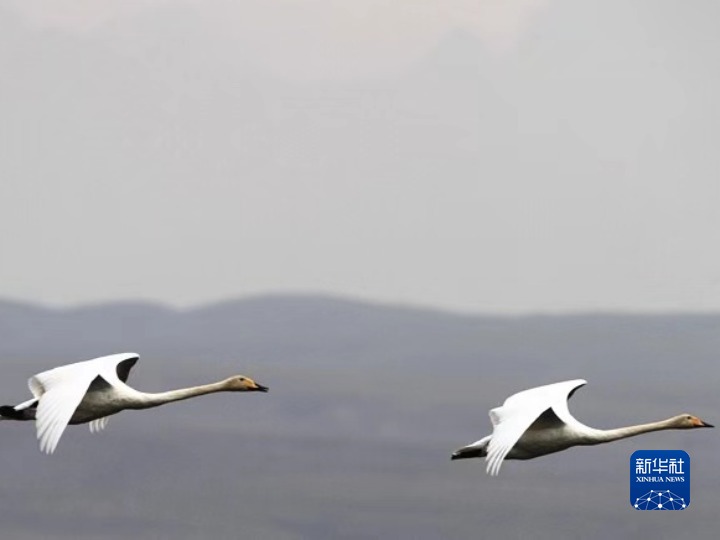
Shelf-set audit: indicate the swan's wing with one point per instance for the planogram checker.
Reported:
(60, 391)
(99, 424)
(112, 367)
(509, 425)
(57, 405)
(549, 393)
(560, 407)
(519, 412)
(115, 367)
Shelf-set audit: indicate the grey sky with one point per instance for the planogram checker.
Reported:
(486, 156)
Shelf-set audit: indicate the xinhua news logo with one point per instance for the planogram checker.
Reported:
(660, 480)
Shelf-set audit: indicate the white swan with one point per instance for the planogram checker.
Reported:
(537, 421)
(93, 390)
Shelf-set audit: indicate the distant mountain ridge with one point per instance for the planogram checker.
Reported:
(328, 331)
(217, 328)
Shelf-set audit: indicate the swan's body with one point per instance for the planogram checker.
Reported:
(93, 390)
(537, 422)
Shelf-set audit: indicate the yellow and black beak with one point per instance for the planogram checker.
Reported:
(259, 388)
(696, 422)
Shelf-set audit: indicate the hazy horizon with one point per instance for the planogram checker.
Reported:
(519, 156)
(340, 297)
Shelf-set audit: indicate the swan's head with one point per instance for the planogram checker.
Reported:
(688, 421)
(241, 383)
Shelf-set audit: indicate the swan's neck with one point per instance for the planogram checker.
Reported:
(607, 435)
(146, 399)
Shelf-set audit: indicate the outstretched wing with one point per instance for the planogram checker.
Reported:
(518, 413)
(58, 402)
(61, 390)
(508, 426)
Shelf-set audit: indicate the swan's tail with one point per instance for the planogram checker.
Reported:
(24, 411)
(475, 450)
(9, 413)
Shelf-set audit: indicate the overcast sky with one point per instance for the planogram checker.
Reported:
(483, 155)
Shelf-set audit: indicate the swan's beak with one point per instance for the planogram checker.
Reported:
(260, 388)
(696, 422)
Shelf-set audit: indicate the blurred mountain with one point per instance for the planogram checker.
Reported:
(314, 331)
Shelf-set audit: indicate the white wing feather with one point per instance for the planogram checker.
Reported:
(25, 404)
(519, 412)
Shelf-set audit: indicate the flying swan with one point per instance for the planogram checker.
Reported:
(93, 390)
(537, 421)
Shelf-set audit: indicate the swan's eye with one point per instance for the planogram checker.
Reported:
(242, 379)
